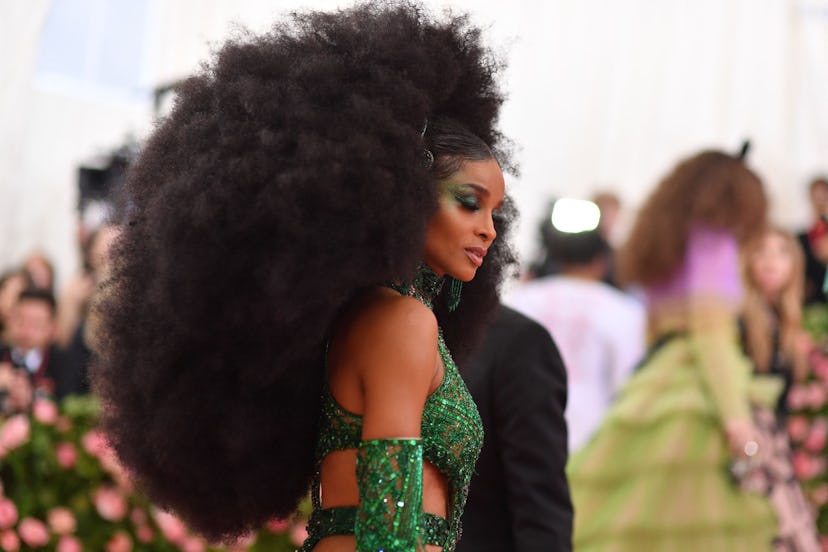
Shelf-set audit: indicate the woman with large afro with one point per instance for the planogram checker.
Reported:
(277, 320)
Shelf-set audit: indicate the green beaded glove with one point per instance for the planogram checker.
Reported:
(390, 481)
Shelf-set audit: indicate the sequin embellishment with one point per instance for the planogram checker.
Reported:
(452, 436)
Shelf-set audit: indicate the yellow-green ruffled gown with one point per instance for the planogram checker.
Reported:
(655, 476)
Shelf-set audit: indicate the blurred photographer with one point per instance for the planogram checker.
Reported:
(31, 364)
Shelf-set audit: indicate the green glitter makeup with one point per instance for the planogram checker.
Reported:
(463, 195)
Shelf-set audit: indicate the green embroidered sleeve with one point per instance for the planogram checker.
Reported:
(390, 480)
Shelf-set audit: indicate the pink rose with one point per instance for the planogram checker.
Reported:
(815, 441)
(63, 424)
(110, 504)
(277, 525)
(144, 534)
(14, 432)
(797, 397)
(120, 542)
(9, 541)
(94, 442)
(820, 368)
(803, 465)
(819, 465)
(243, 542)
(138, 516)
(819, 495)
(298, 533)
(109, 462)
(8, 513)
(817, 395)
(68, 543)
(193, 544)
(66, 454)
(61, 521)
(797, 428)
(45, 411)
(33, 532)
(171, 527)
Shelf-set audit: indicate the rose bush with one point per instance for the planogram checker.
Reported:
(63, 489)
(808, 423)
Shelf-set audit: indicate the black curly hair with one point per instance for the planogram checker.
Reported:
(289, 176)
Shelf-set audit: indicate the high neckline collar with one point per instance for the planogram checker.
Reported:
(425, 286)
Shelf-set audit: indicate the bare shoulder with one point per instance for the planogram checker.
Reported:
(387, 322)
(386, 335)
(387, 311)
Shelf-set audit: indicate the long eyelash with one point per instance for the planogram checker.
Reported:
(467, 202)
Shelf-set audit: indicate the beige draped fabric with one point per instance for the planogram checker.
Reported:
(602, 94)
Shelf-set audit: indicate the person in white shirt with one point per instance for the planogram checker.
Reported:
(600, 330)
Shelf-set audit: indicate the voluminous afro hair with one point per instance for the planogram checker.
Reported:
(288, 176)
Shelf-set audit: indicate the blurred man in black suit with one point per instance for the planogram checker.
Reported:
(31, 364)
(814, 242)
(519, 498)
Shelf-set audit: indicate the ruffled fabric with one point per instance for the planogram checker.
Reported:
(655, 475)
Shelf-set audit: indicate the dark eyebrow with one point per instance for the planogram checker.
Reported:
(478, 187)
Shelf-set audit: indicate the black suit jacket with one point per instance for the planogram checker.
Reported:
(57, 375)
(519, 498)
(814, 272)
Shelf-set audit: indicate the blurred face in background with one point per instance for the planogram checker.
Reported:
(819, 198)
(32, 324)
(610, 206)
(99, 248)
(9, 292)
(772, 265)
(40, 271)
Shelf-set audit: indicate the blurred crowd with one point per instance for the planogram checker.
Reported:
(659, 406)
(606, 332)
(601, 327)
(43, 331)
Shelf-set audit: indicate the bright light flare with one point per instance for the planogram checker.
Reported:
(575, 215)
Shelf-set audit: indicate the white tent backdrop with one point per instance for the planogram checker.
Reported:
(602, 93)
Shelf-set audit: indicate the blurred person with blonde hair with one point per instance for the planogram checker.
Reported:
(772, 333)
(773, 268)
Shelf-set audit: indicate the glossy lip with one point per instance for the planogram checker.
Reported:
(475, 255)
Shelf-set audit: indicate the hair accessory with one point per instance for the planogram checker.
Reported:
(428, 157)
(745, 149)
(455, 287)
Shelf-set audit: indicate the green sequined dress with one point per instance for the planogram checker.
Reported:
(389, 471)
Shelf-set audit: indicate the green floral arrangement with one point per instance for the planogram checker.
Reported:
(63, 489)
(808, 422)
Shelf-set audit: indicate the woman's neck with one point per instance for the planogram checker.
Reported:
(425, 285)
